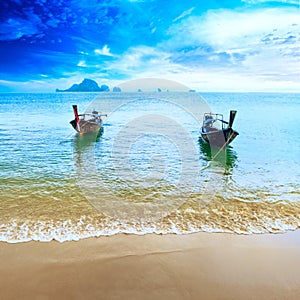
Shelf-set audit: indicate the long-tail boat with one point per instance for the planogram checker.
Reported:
(88, 122)
(216, 131)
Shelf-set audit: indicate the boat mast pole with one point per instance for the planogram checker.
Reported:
(76, 113)
(77, 119)
(231, 118)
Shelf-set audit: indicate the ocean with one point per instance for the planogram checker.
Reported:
(147, 171)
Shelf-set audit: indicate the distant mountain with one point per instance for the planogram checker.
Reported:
(116, 89)
(87, 85)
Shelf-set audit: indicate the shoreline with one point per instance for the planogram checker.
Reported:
(193, 266)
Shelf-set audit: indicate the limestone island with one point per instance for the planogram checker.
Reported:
(87, 85)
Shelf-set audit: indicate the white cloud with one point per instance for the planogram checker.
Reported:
(294, 2)
(225, 29)
(104, 51)
(83, 53)
(256, 47)
(81, 64)
(184, 14)
(141, 57)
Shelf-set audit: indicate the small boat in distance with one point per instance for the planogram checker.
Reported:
(214, 130)
(86, 123)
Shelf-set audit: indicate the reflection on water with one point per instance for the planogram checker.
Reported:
(224, 157)
(81, 142)
(84, 145)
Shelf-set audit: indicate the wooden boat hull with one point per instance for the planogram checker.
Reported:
(83, 125)
(219, 138)
(86, 126)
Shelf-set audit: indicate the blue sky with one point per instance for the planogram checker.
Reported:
(248, 45)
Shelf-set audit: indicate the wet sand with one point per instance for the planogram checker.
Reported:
(194, 266)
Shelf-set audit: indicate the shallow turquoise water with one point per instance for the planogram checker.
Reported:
(147, 172)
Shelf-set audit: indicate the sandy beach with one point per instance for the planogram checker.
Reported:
(194, 266)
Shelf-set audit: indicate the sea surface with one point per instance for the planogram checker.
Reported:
(147, 171)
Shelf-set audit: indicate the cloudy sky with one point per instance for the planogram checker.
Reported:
(229, 45)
